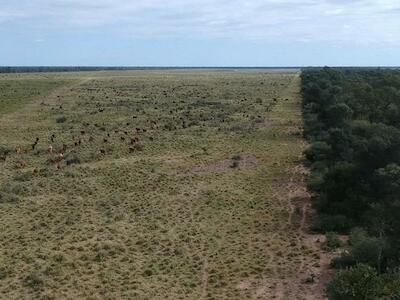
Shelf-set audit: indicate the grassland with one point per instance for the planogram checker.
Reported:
(179, 185)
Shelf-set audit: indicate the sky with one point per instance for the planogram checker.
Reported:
(200, 32)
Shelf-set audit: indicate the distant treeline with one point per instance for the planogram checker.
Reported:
(352, 120)
(62, 69)
(28, 69)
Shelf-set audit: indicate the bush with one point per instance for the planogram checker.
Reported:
(236, 161)
(390, 286)
(367, 251)
(61, 119)
(4, 150)
(346, 260)
(358, 283)
(8, 198)
(315, 181)
(335, 223)
(318, 151)
(362, 282)
(33, 281)
(332, 241)
(73, 160)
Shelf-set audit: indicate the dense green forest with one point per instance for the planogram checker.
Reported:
(352, 120)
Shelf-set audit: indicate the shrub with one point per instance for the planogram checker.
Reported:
(332, 241)
(4, 150)
(367, 251)
(61, 119)
(358, 283)
(315, 181)
(8, 198)
(3, 273)
(73, 160)
(33, 281)
(236, 161)
(362, 282)
(344, 261)
(327, 223)
(318, 151)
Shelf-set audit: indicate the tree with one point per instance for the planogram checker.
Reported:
(358, 283)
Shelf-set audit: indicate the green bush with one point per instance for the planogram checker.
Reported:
(61, 119)
(358, 283)
(33, 281)
(8, 198)
(363, 282)
(236, 161)
(4, 150)
(329, 223)
(318, 151)
(368, 251)
(344, 261)
(332, 241)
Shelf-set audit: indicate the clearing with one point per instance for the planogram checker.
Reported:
(172, 185)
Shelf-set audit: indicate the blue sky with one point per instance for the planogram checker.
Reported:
(200, 32)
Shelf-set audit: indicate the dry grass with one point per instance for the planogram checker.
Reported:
(163, 217)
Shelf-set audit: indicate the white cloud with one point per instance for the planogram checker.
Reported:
(359, 21)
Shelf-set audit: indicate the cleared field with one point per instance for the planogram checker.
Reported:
(172, 185)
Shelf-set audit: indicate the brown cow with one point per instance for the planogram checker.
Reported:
(22, 164)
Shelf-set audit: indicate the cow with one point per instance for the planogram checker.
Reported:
(22, 164)
(61, 155)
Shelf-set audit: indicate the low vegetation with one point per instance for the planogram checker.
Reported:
(152, 185)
